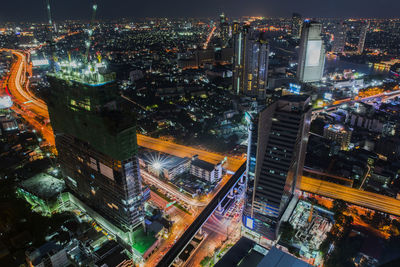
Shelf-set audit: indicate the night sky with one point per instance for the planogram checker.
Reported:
(33, 10)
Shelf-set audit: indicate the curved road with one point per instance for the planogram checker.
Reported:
(332, 190)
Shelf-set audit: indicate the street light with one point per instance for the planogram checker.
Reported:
(157, 165)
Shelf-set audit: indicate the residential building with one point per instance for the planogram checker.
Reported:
(338, 133)
(205, 170)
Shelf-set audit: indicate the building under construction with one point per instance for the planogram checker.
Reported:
(95, 134)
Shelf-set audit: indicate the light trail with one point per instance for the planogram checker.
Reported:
(355, 196)
(209, 37)
(170, 189)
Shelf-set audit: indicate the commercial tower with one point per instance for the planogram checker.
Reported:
(312, 53)
(339, 36)
(296, 25)
(224, 29)
(250, 60)
(95, 135)
(276, 150)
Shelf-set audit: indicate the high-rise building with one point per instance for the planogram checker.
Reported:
(312, 53)
(339, 36)
(276, 150)
(363, 36)
(296, 25)
(250, 60)
(95, 134)
(224, 29)
(338, 133)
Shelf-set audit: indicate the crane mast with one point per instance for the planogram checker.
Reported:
(90, 32)
(50, 40)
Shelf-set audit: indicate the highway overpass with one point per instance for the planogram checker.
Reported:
(355, 196)
(176, 249)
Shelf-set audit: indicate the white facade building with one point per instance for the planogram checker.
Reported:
(312, 53)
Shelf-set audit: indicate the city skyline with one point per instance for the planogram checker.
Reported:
(186, 142)
(75, 9)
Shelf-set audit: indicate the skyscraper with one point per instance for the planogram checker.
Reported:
(339, 40)
(312, 53)
(224, 29)
(276, 150)
(296, 25)
(250, 72)
(95, 135)
(363, 35)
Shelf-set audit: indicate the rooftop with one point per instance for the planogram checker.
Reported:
(278, 258)
(92, 74)
(203, 164)
(142, 241)
(243, 253)
(337, 128)
(43, 185)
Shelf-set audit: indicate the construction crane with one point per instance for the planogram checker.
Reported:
(90, 32)
(50, 36)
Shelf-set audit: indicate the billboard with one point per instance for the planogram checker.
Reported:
(249, 222)
(5, 102)
(40, 62)
(313, 53)
(294, 88)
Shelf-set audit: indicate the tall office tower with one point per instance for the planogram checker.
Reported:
(224, 29)
(311, 54)
(363, 35)
(339, 40)
(95, 135)
(276, 150)
(296, 25)
(250, 72)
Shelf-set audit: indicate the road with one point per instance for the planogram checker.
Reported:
(232, 164)
(170, 189)
(355, 196)
(37, 107)
(29, 107)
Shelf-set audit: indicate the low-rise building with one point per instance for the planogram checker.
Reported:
(205, 170)
(50, 254)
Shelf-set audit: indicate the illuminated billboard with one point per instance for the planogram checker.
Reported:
(328, 96)
(313, 53)
(5, 102)
(249, 223)
(40, 62)
(294, 88)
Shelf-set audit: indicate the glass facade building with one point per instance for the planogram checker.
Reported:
(250, 63)
(276, 151)
(95, 134)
